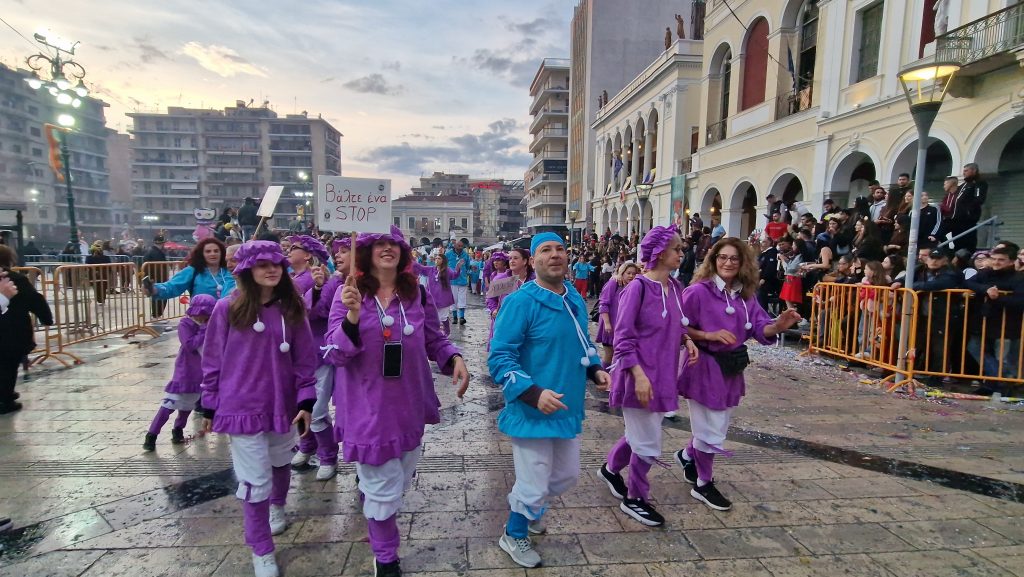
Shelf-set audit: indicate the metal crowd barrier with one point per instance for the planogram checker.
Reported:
(159, 310)
(47, 339)
(948, 335)
(89, 304)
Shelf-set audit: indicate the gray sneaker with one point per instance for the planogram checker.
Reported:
(520, 550)
(537, 527)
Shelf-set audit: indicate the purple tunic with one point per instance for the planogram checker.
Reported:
(380, 418)
(188, 366)
(644, 337)
(319, 308)
(607, 302)
(705, 305)
(303, 281)
(443, 297)
(247, 380)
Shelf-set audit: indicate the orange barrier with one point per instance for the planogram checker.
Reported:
(88, 304)
(159, 310)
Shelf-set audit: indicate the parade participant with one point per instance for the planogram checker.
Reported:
(318, 300)
(439, 287)
(304, 254)
(382, 332)
(542, 357)
(608, 306)
(18, 298)
(182, 392)
(648, 342)
(260, 400)
(723, 311)
(458, 258)
(475, 271)
(206, 274)
(519, 269)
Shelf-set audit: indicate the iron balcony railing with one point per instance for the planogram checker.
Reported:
(716, 131)
(792, 102)
(994, 34)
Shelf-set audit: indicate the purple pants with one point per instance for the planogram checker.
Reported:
(384, 538)
(322, 443)
(622, 456)
(704, 461)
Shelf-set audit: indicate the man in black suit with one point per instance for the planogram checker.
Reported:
(157, 274)
(18, 298)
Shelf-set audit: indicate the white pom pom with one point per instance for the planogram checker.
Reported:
(592, 352)
(388, 320)
(748, 326)
(408, 330)
(285, 347)
(259, 327)
(729, 310)
(585, 361)
(664, 313)
(685, 321)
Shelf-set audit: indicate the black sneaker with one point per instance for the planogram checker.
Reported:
(6, 524)
(689, 467)
(150, 443)
(642, 511)
(11, 407)
(392, 569)
(462, 320)
(177, 437)
(614, 481)
(711, 497)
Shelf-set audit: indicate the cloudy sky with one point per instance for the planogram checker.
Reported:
(414, 86)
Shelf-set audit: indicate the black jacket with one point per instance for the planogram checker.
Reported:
(247, 215)
(689, 262)
(1012, 304)
(768, 262)
(16, 327)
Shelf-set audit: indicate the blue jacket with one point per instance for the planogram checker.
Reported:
(205, 284)
(536, 342)
(462, 279)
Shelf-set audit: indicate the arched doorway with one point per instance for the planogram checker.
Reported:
(938, 165)
(755, 65)
(605, 222)
(719, 87)
(652, 154)
(634, 220)
(613, 221)
(851, 177)
(744, 201)
(1001, 163)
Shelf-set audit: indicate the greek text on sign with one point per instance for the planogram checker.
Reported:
(347, 204)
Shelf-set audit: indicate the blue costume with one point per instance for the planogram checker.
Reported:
(218, 286)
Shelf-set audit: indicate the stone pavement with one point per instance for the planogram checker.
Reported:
(87, 500)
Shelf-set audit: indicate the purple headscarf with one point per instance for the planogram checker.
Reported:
(655, 242)
(339, 243)
(200, 305)
(254, 251)
(395, 236)
(499, 256)
(310, 245)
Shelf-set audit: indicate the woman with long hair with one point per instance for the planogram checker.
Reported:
(608, 307)
(792, 288)
(206, 274)
(318, 300)
(258, 363)
(521, 271)
(648, 342)
(723, 311)
(867, 241)
(439, 277)
(382, 333)
(305, 253)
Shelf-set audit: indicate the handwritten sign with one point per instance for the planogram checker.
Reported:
(502, 286)
(269, 202)
(345, 204)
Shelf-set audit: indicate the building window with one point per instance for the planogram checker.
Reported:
(451, 224)
(34, 131)
(412, 223)
(465, 224)
(398, 221)
(869, 41)
(808, 44)
(755, 65)
(37, 152)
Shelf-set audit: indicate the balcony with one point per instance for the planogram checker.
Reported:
(716, 132)
(538, 200)
(545, 93)
(548, 135)
(546, 220)
(549, 114)
(548, 155)
(792, 102)
(985, 44)
(546, 179)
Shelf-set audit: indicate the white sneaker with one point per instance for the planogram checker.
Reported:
(278, 520)
(301, 459)
(265, 565)
(520, 550)
(325, 472)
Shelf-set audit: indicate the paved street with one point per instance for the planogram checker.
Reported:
(830, 477)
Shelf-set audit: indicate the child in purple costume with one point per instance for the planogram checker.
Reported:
(650, 330)
(721, 304)
(318, 300)
(439, 287)
(182, 392)
(380, 420)
(258, 383)
(608, 307)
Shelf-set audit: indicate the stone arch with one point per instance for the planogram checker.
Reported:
(605, 221)
(634, 219)
(719, 89)
(710, 205)
(627, 152)
(848, 178)
(989, 142)
(742, 217)
(1001, 163)
(940, 163)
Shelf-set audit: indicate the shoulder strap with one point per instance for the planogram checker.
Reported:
(423, 296)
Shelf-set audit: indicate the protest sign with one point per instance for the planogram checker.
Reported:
(353, 204)
(269, 202)
(501, 287)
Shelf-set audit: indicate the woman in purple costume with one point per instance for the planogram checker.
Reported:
(258, 384)
(439, 287)
(318, 300)
(305, 254)
(608, 307)
(518, 261)
(383, 331)
(650, 332)
(722, 306)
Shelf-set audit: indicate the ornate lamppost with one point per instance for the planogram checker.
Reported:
(573, 215)
(643, 193)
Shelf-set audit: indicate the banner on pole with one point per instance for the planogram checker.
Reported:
(269, 202)
(345, 204)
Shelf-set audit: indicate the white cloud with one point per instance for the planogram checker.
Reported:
(221, 60)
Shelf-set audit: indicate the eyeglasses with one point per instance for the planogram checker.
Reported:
(727, 258)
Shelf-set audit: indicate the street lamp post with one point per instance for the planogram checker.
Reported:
(150, 219)
(643, 192)
(65, 84)
(573, 215)
(925, 86)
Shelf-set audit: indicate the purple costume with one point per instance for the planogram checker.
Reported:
(303, 281)
(608, 302)
(442, 296)
(321, 440)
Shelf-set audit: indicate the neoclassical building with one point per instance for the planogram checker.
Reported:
(645, 134)
(802, 98)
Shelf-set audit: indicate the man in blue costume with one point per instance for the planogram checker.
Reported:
(542, 356)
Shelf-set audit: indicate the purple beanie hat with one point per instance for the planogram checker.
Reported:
(310, 245)
(339, 243)
(395, 236)
(200, 305)
(655, 242)
(254, 251)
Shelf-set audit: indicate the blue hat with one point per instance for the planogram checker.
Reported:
(543, 238)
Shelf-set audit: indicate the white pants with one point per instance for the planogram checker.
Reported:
(180, 401)
(643, 432)
(545, 468)
(709, 427)
(459, 294)
(443, 312)
(324, 390)
(253, 457)
(383, 485)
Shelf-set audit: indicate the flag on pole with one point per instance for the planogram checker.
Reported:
(789, 64)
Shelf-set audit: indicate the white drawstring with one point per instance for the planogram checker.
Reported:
(588, 350)
(327, 350)
(509, 378)
(664, 304)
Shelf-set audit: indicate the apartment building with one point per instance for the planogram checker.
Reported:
(546, 179)
(424, 218)
(185, 159)
(498, 210)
